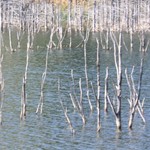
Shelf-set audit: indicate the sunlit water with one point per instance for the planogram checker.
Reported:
(50, 130)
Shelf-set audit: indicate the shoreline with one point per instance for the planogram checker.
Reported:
(96, 16)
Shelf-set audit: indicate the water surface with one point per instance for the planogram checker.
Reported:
(50, 130)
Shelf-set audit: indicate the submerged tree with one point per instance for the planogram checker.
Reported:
(118, 65)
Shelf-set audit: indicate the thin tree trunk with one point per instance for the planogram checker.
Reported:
(98, 87)
(23, 93)
(41, 100)
(106, 91)
(118, 65)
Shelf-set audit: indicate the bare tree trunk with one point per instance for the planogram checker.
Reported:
(76, 103)
(67, 118)
(10, 39)
(98, 87)
(106, 91)
(65, 109)
(85, 67)
(107, 39)
(81, 104)
(41, 100)
(134, 100)
(1, 75)
(119, 83)
(23, 100)
(23, 92)
(131, 39)
(118, 64)
(45, 16)
(94, 16)
(69, 22)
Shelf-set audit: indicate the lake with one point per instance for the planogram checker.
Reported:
(50, 129)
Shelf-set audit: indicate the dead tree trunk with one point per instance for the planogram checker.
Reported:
(41, 101)
(23, 92)
(23, 100)
(85, 40)
(10, 39)
(106, 92)
(1, 88)
(69, 22)
(134, 100)
(67, 118)
(1, 75)
(98, 87)
(118, 65)
(119, 83)
(76, 103)
(51, 42)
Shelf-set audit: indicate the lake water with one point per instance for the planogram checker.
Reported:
(50, 130)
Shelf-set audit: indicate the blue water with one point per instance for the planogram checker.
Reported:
(50, 130)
